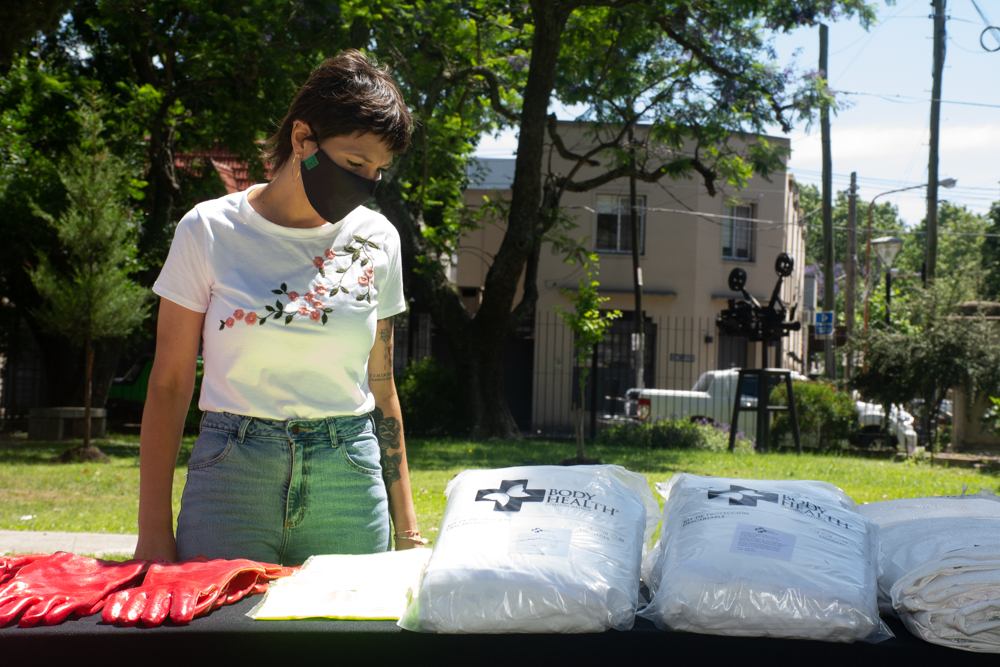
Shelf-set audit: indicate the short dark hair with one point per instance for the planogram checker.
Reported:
(346, 94)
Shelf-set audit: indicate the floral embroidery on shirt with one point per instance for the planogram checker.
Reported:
(311, 304)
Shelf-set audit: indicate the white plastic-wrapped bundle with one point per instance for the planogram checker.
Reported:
(764, 558)
(941, 567)
(537, 549)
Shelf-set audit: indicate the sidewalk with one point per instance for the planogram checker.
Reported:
(90, 544)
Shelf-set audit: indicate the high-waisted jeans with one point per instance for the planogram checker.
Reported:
(281, 491)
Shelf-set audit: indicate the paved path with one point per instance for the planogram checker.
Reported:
(91, 544)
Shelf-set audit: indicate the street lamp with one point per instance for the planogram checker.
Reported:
(887, 248)
(946, 183)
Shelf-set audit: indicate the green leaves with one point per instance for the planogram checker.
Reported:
(361, 297)
(586, 321)
(85, 281)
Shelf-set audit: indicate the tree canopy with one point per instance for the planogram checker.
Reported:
(665, 87)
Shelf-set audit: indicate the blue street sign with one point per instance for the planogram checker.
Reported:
(824, 324)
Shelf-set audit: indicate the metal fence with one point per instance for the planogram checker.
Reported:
(22, 379)
(678, 350)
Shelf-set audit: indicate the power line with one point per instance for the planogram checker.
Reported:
(887, 97)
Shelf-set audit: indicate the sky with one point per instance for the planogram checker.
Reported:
(883, 79)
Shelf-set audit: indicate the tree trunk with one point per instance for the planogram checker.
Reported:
(477, 343)
(86, 451)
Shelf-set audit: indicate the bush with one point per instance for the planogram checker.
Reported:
(429, 397)
(672, 434)
(824, 412)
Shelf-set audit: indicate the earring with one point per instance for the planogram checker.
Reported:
(298, 173)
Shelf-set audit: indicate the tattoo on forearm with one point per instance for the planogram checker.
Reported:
(379, 377)
(385, 335)
(389, 432)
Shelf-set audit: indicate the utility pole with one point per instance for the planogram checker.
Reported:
(828, 263)
(640, 352)
(852, 263)
(932, 164)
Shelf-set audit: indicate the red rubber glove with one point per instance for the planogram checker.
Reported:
(9, 565)
(52, 587)
(189, 589)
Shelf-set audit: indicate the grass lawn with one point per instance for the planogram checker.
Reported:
(103, 498)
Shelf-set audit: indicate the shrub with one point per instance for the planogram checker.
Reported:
(824, 412)
(672, 434)
(429, 397)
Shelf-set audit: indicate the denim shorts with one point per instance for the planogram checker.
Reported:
(281, 491)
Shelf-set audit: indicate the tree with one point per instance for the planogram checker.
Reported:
(196, 74)
(943, 352)
(183, 74)
(86, 287)
(478, 62)
(589, 326)
(22, 20)
(38, 101)
(991, 255)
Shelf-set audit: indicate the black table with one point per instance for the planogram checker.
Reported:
(227, 637)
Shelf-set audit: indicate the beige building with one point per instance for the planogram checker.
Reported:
(690, 241)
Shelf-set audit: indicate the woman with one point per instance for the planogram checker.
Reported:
(290, 287)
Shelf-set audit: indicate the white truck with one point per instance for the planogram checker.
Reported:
(712, 398)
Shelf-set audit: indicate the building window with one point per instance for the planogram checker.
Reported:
(614, 224)
(738, 233)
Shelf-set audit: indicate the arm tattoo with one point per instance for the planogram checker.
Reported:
(385, 335)
(389, 432)
(378, 377)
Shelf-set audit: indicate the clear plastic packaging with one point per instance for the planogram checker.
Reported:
(941, 567)
(537, 549)
(350, 587)
(768, 558)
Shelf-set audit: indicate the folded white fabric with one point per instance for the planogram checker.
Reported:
(537, 549)
(941, 567)
(769, 558)
(371, 587)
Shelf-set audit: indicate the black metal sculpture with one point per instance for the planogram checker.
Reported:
(747, 318)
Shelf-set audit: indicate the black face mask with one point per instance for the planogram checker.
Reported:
(332, 190)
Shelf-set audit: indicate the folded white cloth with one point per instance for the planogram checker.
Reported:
(537, 549)
(770, 558)
(370, 586)
(941, 567)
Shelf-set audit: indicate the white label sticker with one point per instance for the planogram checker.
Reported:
(541, 542)
(762, 541)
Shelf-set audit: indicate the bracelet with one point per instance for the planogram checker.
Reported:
(412, 535)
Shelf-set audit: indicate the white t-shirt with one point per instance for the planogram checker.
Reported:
(290, 314)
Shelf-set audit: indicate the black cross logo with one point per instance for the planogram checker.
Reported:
(510, 495)
(748, 497)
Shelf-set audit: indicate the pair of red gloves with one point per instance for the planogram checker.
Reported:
(48, 588)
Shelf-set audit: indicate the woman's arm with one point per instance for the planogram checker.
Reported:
(389, 428)
(171, 383)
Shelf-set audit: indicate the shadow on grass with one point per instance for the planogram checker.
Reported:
(444, 454)
(23, 451)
